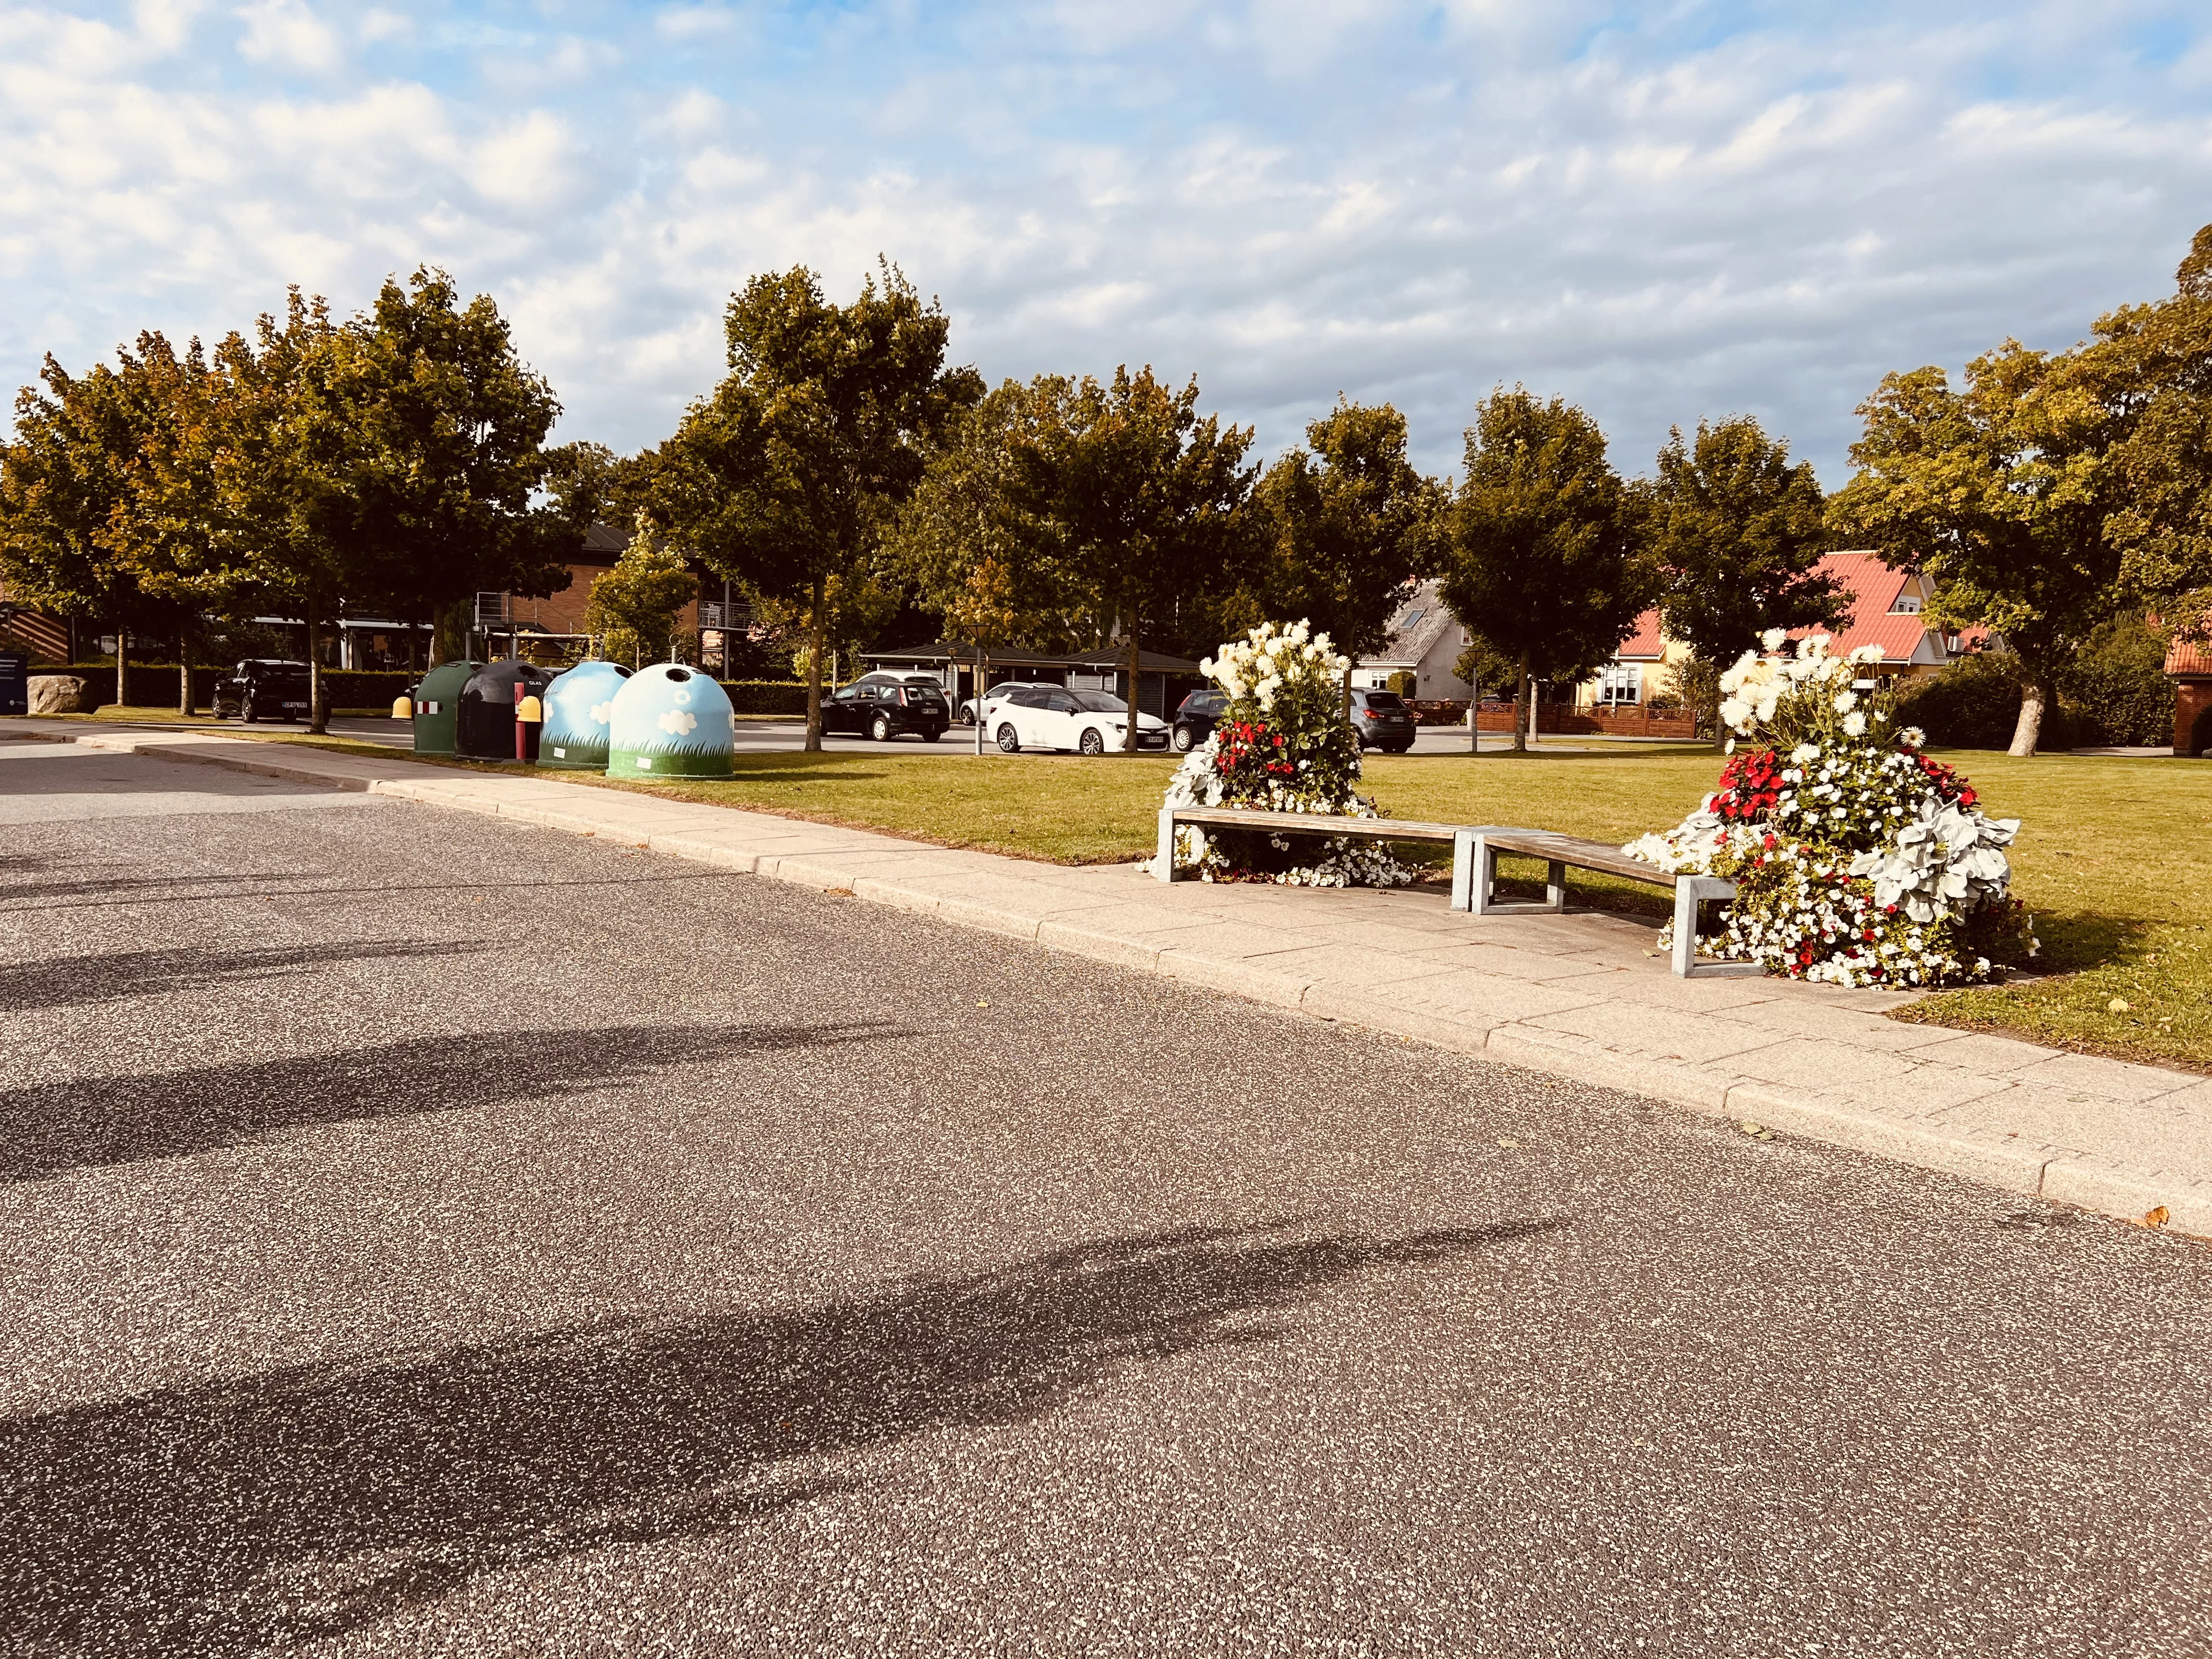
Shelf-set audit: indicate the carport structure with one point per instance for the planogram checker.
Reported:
(1162, 680)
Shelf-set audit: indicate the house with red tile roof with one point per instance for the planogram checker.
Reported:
(1886, 610)
(2191, 665)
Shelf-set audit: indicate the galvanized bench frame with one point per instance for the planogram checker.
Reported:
(1474, 881)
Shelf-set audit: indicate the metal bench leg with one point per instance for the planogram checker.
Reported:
(1555, 888)
(1164, 863)
(1486, 875)
(1463, 863)
(1690, 891)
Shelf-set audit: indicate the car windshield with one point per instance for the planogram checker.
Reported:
(1100, 703)
(1384, 700)
(1206, 703)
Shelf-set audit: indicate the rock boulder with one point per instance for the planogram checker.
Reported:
(57, 694)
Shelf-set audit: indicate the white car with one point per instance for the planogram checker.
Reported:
(1020, 717)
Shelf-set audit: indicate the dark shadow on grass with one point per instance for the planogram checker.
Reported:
(77, 982)
(49, 1128)
(2075, 939)
(305, 1504)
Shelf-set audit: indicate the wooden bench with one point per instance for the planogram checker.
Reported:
(1474, 880)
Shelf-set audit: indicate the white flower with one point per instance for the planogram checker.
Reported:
(1735, 713)
(1805, 754)
(1773, 637)
(678, 722)
(1912, 737)
(1855, 726)
(1865, 654)
(1845, 701)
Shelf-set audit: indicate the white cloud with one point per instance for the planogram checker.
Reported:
(287, 34)
(1290, 202)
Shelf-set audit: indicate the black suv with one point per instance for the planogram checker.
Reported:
(882, 709)
(1382, 721)
(263, 688)
(1194, 718)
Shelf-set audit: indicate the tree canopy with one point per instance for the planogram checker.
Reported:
(789, 473)
(1736, 532)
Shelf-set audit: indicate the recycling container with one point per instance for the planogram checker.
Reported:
(438, 706)
(671, 721)
(577, 705)
(487, 710)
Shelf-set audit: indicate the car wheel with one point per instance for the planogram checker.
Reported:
(931, 734)
(880, 728)
(245, 712)
(1010, 741)
(1091, 743)
(1184, 741)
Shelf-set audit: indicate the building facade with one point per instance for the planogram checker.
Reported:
(2191, 665)
(1426, 642)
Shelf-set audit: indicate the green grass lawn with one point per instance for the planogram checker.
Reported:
(2114, 855)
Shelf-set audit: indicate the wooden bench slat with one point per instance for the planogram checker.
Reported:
(1315, 824)
(1585, 854)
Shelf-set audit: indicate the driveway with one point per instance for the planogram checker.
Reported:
(426, 1234)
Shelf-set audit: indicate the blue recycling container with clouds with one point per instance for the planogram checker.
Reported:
(577, 705)
(671, 721)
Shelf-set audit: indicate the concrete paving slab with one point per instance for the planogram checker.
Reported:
(2093, 1076)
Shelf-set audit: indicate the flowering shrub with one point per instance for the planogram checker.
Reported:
(1857, 859)
(1281, 746)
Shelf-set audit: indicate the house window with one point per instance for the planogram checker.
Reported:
(1908, 605)
(1620, 683)
(1412, 617)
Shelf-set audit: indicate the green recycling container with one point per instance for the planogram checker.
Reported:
(438, 706)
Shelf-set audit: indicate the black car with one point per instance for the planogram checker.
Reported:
(882, 708)
(263, 688)
(1382, 721)
(1194, 717)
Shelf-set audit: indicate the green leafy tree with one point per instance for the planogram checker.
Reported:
(1999, 493)
(1547, 568)
(634, 606)
(1345, 531)
(970, 543)
(1149, 499)
(2150, 368)
(1737, 533)
(788, 475)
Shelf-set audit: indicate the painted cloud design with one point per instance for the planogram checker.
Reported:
(678, 722)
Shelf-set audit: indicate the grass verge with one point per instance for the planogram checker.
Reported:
(2114, 855)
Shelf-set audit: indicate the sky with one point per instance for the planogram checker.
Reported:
(1664, 213)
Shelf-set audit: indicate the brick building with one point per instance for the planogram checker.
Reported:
(2191, 665)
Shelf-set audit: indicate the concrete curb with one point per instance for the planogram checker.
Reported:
(2011, 1162)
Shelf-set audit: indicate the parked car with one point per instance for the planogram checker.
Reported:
(965, 713)
(263, 688)
(1052, 717)
(886, 708)
(1195, 719)
(1382, 721)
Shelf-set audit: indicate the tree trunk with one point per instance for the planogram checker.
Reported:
(185, 672)
(318, 716)
(121, 664)
(1524, 709)
(814, 675)
(449, 638)
(1136, 686)
(2035, 698)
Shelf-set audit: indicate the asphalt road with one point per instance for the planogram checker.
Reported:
(421, 1234)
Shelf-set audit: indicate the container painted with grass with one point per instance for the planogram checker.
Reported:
(670, 722)
(578, 705)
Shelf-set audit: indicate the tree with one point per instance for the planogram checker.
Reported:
(1344, 531)
(1545, 567)
(2150, 368)
(87, 498)
(1148, 497)
(634, 605)
(1737, 534)
(445, 456)
(970, 541)
(2000, 494)
(789, 473)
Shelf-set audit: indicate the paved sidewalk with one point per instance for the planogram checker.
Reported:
(1583, 996)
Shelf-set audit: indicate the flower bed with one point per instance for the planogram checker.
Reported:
(1281, 746)
(1857, 859)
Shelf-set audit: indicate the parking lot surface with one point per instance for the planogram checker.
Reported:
(421, 1234)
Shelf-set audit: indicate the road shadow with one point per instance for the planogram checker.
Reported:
(71, 774)
(48, 1129)
(78, 982)
(144, 886)
(304, 1503)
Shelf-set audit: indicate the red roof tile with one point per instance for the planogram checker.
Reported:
(2183, 658)
(1874, 587)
